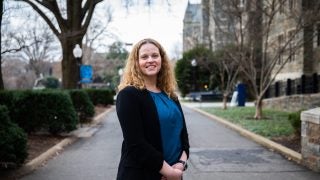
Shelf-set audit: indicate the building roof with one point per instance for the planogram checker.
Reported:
(192, 13)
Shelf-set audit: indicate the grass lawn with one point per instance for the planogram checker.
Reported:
(274, 123)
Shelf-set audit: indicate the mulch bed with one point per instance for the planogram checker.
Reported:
(40, 143)
(292, 142)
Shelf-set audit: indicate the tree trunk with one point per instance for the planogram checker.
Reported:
(225, 99)
(1, 79)
(70, 31)
(70, 65)
(258, 105)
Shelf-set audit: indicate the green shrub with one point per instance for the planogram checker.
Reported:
(45, 110)
(51, 82)
(7, 98)
(295, 121)
(82, 104)
(12, 100)
(13, 141)
(100, 96)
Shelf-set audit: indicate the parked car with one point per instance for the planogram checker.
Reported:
(213, 95)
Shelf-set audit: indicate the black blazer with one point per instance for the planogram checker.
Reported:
(141, 153)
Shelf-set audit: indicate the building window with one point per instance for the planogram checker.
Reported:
(318, 35)
(292, 5)
(292, 45)
(292, 53)
(281, 6)
(280, 43)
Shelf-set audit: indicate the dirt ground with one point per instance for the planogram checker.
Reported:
(40, 143)
(293, 142)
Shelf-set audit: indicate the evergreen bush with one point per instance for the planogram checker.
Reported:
(82, 104)
(52, 111)
(7, 98)
(13, 141)
(295, 121)
(51, 82)
(100, 96)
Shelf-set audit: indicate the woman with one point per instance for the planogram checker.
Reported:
(155, 144)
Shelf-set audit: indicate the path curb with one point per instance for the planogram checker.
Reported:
(56, 149)
(288, 153)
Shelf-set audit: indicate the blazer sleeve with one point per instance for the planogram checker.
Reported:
(129, 115)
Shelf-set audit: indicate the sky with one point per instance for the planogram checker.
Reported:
(161, 22)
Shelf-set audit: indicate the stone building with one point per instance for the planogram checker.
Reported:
(301, 43)
(192, 27)
(200, 25)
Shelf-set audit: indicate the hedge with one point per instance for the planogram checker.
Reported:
(13, 141)
(295, 121)
(51, 111)
(100, 96)
(82, 104)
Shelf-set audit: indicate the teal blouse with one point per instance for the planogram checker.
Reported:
(171, 124)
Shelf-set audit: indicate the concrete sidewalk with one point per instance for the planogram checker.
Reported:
(216, 152)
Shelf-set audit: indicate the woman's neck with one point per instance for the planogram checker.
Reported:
(151, 84)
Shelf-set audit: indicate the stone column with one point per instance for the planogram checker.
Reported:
(310, 138)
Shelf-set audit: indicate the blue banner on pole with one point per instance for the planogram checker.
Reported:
(86, 73)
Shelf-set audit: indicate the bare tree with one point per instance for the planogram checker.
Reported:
(267, 53)
(69, 22)
(41, 50)
(228, 41)
(1, 79)
(278, 51)
(16, 74)
(97, 31)
(228, 70)
(8, 43)
(262, 52)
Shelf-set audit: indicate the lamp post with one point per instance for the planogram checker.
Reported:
(120, 72)
(194, 65)
(77, 53)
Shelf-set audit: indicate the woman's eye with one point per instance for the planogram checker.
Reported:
(144, 57)
(155, 55)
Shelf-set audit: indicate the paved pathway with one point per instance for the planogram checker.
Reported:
(91, 158)
(220, 153)
(217, 153)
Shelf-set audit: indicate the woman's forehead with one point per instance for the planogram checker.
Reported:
(149, 47)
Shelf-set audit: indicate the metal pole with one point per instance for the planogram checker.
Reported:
(79, 74)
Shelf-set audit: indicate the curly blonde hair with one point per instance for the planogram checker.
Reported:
(132, 75)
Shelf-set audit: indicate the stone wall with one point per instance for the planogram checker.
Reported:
(310, 139)
(293, 102)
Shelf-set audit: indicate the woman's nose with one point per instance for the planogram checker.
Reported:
(150, 58)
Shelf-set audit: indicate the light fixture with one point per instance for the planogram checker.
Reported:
(77, 51)
(194, 63)
(120, 72)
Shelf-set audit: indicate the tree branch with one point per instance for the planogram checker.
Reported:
(88, 8)
(54, 8)
(43, 15)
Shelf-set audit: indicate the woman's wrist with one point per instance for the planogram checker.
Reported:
(166, 169)
(184, 164)
(183, 156)
(169, 171)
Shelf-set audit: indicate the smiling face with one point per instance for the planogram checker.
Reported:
(149, 60)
